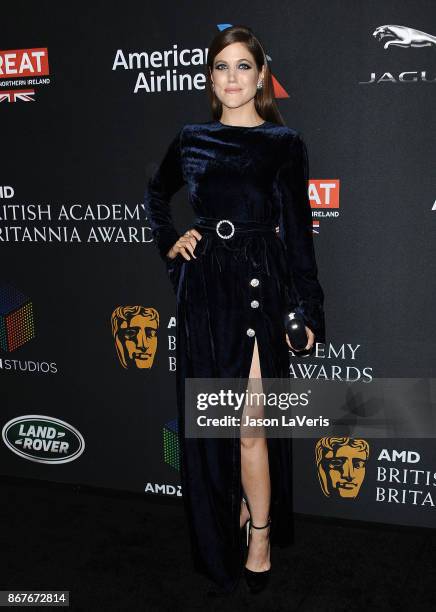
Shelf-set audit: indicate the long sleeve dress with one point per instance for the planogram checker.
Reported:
(236, 291)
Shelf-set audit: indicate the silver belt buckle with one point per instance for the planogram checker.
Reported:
(218, 225)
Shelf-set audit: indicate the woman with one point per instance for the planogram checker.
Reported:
(235, 278)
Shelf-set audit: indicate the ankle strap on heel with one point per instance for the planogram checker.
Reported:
(254, 526)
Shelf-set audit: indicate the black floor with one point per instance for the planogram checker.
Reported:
(125, 552)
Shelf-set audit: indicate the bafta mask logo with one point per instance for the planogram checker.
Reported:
(341, 465)
(134, 329)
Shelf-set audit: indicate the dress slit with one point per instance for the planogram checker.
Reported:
(255, 361)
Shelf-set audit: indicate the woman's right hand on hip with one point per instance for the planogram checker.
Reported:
(185, 244)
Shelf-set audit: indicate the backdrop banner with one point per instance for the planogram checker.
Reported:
(91, 100)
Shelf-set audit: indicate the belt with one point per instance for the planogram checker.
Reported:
(226, 228)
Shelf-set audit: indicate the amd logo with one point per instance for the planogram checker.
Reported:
(403, 456)
(163, 489)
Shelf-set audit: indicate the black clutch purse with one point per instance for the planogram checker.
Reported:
(296, 331)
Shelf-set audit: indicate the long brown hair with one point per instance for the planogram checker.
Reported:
(264, 100)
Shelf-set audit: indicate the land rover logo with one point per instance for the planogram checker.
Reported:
(43, 439)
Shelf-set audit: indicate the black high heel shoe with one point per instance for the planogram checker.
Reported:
(256, 581)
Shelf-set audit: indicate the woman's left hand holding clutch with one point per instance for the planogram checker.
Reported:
(310, 340)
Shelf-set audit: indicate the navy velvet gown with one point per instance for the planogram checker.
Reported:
(236, 291)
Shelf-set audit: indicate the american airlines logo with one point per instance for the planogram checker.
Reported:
(169, 69)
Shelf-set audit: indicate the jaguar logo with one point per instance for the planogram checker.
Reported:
(401, 36)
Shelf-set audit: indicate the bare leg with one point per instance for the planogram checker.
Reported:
(256, 484)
